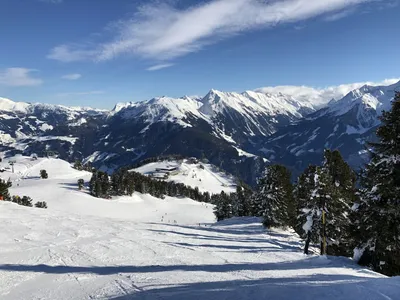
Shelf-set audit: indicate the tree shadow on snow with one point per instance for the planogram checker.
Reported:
(314, 287)
(239, 248)
(270, 238)
(314, 262)
(70, 186)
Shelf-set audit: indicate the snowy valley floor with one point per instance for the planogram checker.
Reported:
(146, 248)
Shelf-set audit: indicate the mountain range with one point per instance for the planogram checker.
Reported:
(239, 132)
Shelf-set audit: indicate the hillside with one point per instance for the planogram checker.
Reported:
(141, 247)
(195, 174)
(61, 193)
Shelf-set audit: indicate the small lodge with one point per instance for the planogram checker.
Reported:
(165, 172)
(167, 169)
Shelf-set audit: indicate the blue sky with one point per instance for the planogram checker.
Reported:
(97, 53)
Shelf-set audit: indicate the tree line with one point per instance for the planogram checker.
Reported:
(124, 182)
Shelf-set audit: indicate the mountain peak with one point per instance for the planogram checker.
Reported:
(9, 105)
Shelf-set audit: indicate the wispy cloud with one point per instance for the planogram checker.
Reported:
(72, 76)
(72, 53)
(80, 93)
(52, 1)
(321, 96)
(339, 15)
(164, 31)
(18, 77)
(159, 67)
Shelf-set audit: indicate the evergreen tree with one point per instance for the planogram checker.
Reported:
(43, 174)
(276, 194)
(241, 201)
(78, 165)
(4, 186)
(315, 197)
(307, 209)
(223, 206)
(26, 201)
(343, 185)
(378, 223)
(256, 204)
(81, 183)
(99, 185)
(41, 204)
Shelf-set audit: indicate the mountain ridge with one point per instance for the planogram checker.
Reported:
(220, 126)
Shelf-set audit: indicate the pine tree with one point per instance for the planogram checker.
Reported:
(81, 183)
(4, 186)
(315, 196)
(343, 186)
(276, 193)
(78, 165)
(42, 204)
(26, 201)
(43, 174)
(99, 185)
(378, 222)
(307, 209)
(240, 202)
(223, 206)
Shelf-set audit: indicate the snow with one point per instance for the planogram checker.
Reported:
(45, 127)
(9, 105)
(80, 122)
(243, 153)
(207, 179)
(22, 107)
(98, 156)
(68, 139)
(366, 99)
(160, 110)
(141, 247)
(250, 104)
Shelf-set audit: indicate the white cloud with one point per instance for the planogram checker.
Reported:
(159, 67)
(72, 76)
(18, 77)
(80, 93)
(163, 31)
(321, 96)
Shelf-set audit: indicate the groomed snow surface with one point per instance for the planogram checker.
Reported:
(141, 247)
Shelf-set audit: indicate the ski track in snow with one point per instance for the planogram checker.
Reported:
(87, 248)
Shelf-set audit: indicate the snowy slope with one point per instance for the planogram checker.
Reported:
(61, 193)
(50, 255)
(145, 248)
(207, 179)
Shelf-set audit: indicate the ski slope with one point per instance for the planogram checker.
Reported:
(192, 174)
(141, 247)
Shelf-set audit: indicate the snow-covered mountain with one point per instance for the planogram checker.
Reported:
(238, 132)
(346, 124)
(41, 127)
